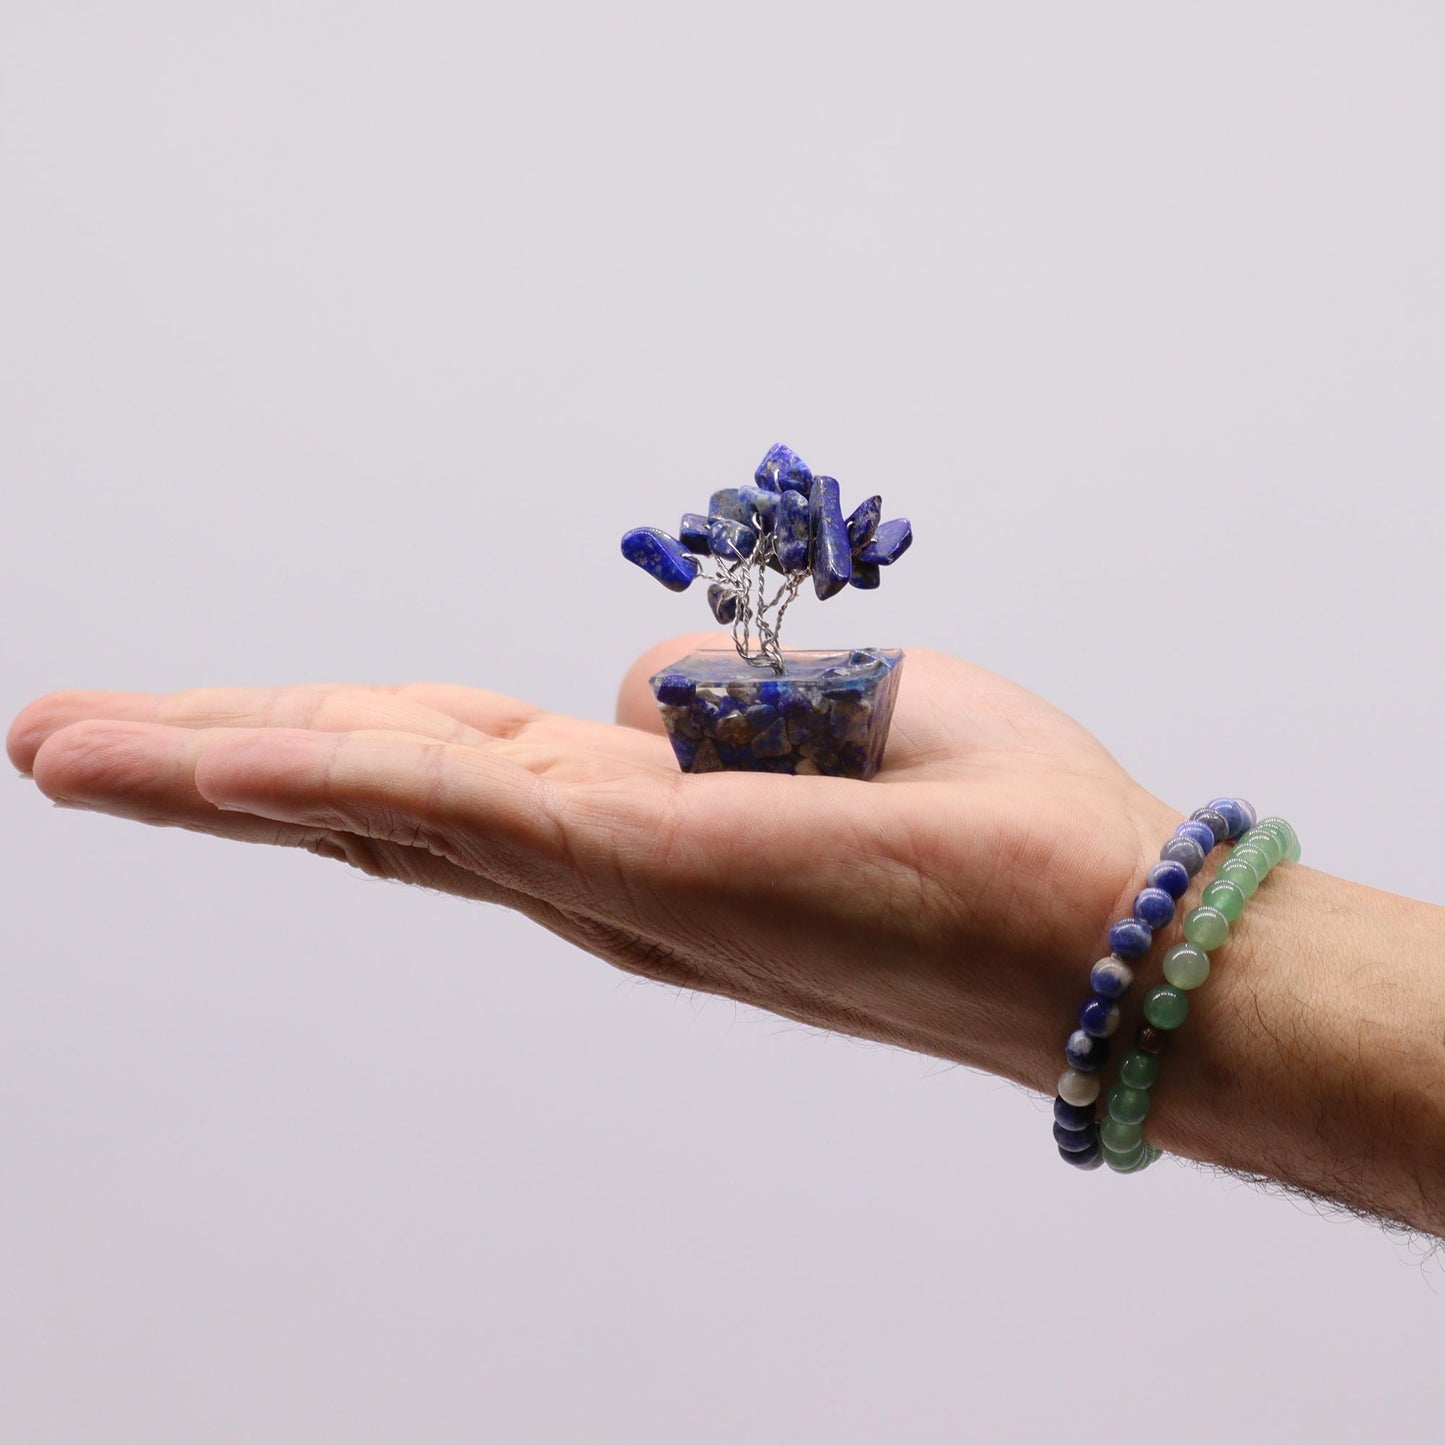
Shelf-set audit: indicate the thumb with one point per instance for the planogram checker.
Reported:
(636, 706)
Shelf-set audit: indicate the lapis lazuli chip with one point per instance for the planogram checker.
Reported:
(890, 542)
(783, 470)
(790, 532)
(660, 556)
(832, 557)
(731, 540)
(863, 521)
(693, 532)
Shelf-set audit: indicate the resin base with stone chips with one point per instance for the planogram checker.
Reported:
(827, 713)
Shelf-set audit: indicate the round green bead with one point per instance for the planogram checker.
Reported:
(1142, 1162)
(1253, 855)
(1128, 1106)
(1206, 926)
(1227, 896)
(1287, 835)
(1139, 1069)
(1165, 1007)
(1118, 1136)
(1269, 844)
(1186, 965)
(1241, 875)
(1125, 1163)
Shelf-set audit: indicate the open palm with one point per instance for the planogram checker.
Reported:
(952, 905)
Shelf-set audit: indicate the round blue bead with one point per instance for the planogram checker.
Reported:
(1073, 1116)
(1154, 906)
(1130, 938)
(1089, 1158)
(1186, 851)
(1099, 1017)
(1202, 833)
(1111, 977)
(1232, 813)
(1216, 822)
(1086, 1053)
(1171, 876)
(1247, 813)
(1075, 1140)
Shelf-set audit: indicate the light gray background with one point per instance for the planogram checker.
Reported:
(342, 342)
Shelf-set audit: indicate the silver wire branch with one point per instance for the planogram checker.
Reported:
(745, 579)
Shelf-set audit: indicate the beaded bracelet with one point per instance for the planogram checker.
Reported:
(1186, 966)
(1076, 1129)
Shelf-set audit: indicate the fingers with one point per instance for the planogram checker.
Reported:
(447, 713)
(636, 706)
(516, 813)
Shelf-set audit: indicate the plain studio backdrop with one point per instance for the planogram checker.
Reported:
(341, 343)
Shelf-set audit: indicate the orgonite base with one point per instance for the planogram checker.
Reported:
(828, 712)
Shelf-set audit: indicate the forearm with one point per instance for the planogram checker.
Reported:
(1315, 1052)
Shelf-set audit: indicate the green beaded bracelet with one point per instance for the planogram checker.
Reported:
(1186, 966)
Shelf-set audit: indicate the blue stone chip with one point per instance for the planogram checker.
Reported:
(693, 532)
(783, 470)
(863, 521)
(660, 556)
(832, 557)
(790, 532)
(890, 542)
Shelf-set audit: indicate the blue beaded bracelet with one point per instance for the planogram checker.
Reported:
(1076, 1124)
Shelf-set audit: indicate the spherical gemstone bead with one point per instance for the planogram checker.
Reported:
(1099, 1017)
(1186, 851)
(1165, 1007)
(1129, 938)
(1241, 874)
(1186, 965)
(1247, 814)
(1074, 1139)
(1085, 1052)
(1136, 1167)
(1254, 856)
(1267, 843)
(1232, 813)
(1214, 820)
(1153, 906)
(1202, 833)
(1172, 877)
(1227, 896)
(1125, 1163)
(1128, 1106)
(1077, 1087)
(1073, 1116)
(1139, 1070)
(1114, 1134)
(1289, 838)
(1089, 1158)
(1111, 977)
(1150, 1040)
(1206, 926)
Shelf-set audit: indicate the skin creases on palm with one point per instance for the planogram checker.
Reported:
(940, 906)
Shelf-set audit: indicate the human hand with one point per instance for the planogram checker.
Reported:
(952, 905)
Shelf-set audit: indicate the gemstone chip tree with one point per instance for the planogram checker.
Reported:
(757, 708)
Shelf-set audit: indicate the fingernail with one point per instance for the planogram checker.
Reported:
(28, 777)
(66, 803)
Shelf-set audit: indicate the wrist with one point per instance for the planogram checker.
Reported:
(1315, 1055)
